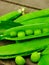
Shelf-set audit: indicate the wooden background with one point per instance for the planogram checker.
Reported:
(11, 5)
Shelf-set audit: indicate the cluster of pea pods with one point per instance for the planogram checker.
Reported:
(30, 33)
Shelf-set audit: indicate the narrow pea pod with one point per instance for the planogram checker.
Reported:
(27, 32)
(36, 21)
(23, 48)
(33, 15)
(10, 16)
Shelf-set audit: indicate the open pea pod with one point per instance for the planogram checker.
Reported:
(23, 48)
(6, 21)
(27, 32)
(7, 17)
(33, 15)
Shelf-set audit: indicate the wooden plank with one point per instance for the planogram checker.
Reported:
(8, 7)
(32, 3)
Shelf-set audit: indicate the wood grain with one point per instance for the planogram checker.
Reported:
(32, 3)
(6, 7)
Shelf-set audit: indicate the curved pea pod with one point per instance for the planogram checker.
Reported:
(44, 60)
(33, 15)
(23, 48)
(27, 32)
(10, 16)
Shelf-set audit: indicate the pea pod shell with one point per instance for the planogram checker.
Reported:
(33, 15)
(23, 48)
(37, 29)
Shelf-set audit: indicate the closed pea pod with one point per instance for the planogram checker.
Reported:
(36, 21)
(23, 48)
(33, 15)
(10, 16)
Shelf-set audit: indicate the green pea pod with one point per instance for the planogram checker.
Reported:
(23, 48)
(33, 15)
(6, 21)
(35, 21)
(27, 32)
(44, 60)
(46, 51)
(10, 16)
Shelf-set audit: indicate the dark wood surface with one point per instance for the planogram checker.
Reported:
(11, 5)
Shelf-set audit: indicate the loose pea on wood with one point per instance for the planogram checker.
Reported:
(19, 60)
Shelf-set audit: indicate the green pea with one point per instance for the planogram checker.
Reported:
(35, 57)
(13, 33)
(45, 30)
(29, 32)
(20, 60)
(21, 34)
(37, 32)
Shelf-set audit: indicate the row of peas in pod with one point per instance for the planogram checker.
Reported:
(27, 32)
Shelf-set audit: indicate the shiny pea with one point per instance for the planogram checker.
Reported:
(45, 30)
(20, 60)
(37, 32)
(29, 32)
(21, 34)
(35, 56)
(13, 33)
